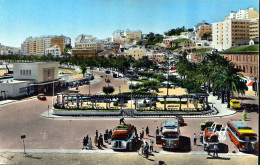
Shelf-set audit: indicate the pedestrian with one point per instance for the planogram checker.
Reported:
(96, 133)
(147, 130)
(87, 139)
(110, 133)
(194, 139)
(84, 143)
(101, 140)
(122, 121)
(95, 141)
(143, 133)
(89, 144)
(143, 147)
(215, 154)
(151, 145)
(208, 148)
(201, 137)
(146, 150)
(157, 131)
(98, 141)
(141, 136)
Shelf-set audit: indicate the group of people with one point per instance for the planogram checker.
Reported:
(87, 143)
(146, 147)
(215, 146)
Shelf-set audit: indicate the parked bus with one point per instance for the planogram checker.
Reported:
(169, 138)
(124, 137)
(242, 136)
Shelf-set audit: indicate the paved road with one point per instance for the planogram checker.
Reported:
(23, 118)
(61, 159)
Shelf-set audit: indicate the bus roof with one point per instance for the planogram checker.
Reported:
(243, 131)
(239, 125)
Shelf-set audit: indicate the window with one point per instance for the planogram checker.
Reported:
(26, 72)
(29, 72)
(21, 72)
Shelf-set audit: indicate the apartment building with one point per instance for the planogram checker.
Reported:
(38, 45)
(254, 28)
(136, 52)
(54, 51)
(241, 25)
(131, 36)
(87, 46)
(60, 42)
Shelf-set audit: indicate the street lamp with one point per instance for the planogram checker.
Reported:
(23, 137)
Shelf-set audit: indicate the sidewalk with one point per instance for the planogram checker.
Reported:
(222, 108)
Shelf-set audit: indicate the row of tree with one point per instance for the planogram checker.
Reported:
(177, 31)
(218, 73)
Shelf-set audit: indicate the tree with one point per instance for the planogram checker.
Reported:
(108, 90)
(83, 69)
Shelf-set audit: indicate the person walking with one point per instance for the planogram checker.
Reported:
(194, 139)
(147, 131)
(157, 131)
(146, 150)
(95, 141)
(201, 137)
(87, 138)
(143, 147)
(151, 145)
(143, 133)
(101, 140)
(215, 154)
(208, 148)
(89, 144)
(96, 133)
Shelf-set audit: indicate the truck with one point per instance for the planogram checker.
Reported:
(124, 137)
(169, 138)
(210, 138)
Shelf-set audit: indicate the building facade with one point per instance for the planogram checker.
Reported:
(54, 51)
(246, 62)
(132, 36)
(36, 72)
(136, 52)
(87, 46)
(38, 45)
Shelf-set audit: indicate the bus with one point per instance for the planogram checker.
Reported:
(124, 137)
(243, 137)
(169, 139)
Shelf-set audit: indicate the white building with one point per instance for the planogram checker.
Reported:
(54, 51)
(14, 88)
(36, 72)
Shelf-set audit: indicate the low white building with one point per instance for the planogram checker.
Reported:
(14, 88)
(54, 51)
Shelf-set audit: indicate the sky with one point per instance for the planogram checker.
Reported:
(20, 19)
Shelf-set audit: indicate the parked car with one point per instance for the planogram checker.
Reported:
(235, 103)
(107, 71)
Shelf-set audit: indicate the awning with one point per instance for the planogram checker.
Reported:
(251, 83)
(173, 69)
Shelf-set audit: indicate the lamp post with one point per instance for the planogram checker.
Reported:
(23, 137)
(131, 93)
(168, 75)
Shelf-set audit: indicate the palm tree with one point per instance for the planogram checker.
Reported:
(228, 81)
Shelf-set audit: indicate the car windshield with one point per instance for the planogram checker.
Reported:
(235, 102)
(170, 136)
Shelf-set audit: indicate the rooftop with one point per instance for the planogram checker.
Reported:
(242, 49)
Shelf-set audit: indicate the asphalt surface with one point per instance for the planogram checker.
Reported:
(23, 118)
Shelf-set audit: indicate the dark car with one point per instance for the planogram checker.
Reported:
(107, 71)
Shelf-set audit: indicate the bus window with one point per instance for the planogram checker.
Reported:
(252, 138)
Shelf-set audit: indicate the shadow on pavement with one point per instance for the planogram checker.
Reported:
(184, 145)
(218, 158)
(244, 98)
(223, 148)
(30, 156)
(250, 107)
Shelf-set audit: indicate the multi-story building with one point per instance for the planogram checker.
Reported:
(132, 36)
(244, 14)
(136, 52)
(60, 42)
(228, 32)
(254, 28)
(241, 25)
(87, 46)
(38, 45)
(203, 29)
(54, 51)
